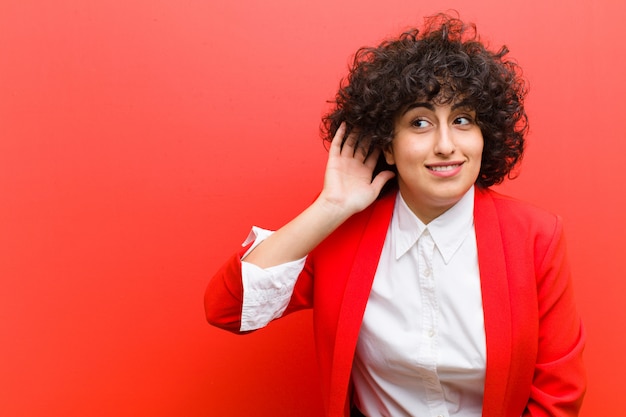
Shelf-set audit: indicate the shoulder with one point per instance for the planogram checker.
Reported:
(528, 235)
(522, 227)
(513, 213)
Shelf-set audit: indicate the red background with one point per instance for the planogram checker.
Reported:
(140, 139)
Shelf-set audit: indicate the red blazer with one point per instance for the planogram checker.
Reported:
(533, 333)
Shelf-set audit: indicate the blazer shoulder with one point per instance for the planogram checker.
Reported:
(515, 212)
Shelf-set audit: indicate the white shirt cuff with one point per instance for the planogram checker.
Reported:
(266, 292)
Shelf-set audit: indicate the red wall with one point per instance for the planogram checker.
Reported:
(140, 139)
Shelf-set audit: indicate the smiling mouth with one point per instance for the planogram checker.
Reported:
(444, 168)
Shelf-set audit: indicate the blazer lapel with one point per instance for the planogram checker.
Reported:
(496, 303)
(356, 294)
(495, 293)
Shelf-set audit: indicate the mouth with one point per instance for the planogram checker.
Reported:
(444, 168)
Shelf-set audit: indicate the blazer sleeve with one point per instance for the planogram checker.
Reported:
(223, 298)
(559, 381)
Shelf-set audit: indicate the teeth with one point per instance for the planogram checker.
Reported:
(443, 168)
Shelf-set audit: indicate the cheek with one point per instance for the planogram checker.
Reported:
(477, 148)
(479, 152)
(478, 157)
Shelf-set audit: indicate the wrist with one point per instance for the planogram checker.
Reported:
(333, 210)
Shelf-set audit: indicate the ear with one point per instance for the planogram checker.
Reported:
(388, 152)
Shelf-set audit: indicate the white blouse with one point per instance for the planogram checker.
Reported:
(421, 349)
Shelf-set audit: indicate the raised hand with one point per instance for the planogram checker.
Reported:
(348, 189)
(348, 183)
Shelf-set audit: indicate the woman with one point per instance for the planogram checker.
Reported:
(432, 294)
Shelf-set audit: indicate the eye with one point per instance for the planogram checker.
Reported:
(463, 120)
(420, 123)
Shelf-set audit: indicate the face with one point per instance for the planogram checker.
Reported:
(437, 151)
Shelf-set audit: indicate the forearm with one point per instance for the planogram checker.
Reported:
(300, 236)
(348, 189)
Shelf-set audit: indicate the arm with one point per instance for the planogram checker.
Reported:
(348, 189)
(559, 382)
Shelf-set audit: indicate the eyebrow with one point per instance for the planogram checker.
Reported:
(430, 106)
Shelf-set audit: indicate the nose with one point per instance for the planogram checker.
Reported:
(444, 144)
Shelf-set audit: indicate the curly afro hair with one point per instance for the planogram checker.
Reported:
(443, 63)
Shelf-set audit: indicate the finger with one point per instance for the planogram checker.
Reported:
(355, 147)
(349, 142)
(372, 158)
(336, 144)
